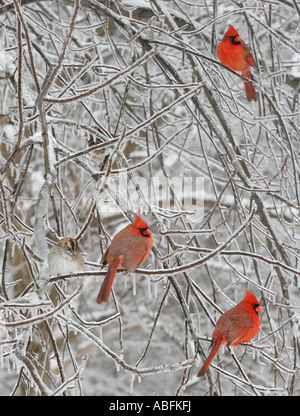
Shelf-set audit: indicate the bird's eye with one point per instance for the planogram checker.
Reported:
(72, 245)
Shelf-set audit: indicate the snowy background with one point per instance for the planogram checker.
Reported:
(94, 93)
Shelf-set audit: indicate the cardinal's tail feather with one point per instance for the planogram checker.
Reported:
(214, 349)
(250, 90)
(107, 283)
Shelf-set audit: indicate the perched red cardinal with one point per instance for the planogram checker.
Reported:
(129, 248)
(239, 324)
(234, 53)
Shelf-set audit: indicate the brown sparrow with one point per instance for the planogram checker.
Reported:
(65, 258)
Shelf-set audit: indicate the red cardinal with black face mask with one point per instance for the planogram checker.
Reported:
(234, 53)
(239, 324)
(129, 248)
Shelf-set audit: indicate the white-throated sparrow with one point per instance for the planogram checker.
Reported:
(65, 258)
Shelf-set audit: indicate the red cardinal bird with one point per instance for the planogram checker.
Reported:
(234, 53)
(129, 248)
(239, 324)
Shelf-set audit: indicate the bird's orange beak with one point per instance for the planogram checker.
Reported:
(147, 232)
(259, 309)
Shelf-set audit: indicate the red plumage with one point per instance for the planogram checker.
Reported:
(129, 248)
(237, 325)
(234, 53)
